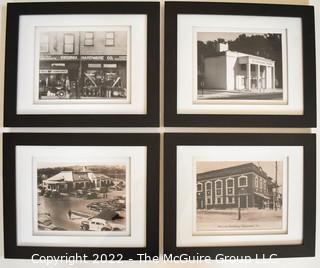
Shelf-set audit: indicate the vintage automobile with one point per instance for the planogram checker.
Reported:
(80, 193)
(47, 193)
(114, 204)
(45, 222)
(55, 194)
(104, 221)
(95, 224)
(95, 206)
(92, 195)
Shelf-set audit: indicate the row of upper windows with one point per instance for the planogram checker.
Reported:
(261, 184)
(242, 182)
(69, 41)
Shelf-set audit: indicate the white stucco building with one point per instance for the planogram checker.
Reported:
(231, 70)
(66, 181)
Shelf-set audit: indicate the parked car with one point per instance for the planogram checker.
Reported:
(45, 222)
(47, 193)
(107, 220)
(92, 195)
(41, 191)
(95, 224)
(55, 194)
(95, 206)
(80, 193)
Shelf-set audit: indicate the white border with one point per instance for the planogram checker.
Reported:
(25, 156)
(185, 192)
(185, 66)
(27, 64)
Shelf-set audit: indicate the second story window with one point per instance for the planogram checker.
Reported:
(44, 43)
(230, 186)
(199, 187)
(243, 181)
(208, 186)
(88, 38)
(109, 39)
(218, 187)
(68, 44)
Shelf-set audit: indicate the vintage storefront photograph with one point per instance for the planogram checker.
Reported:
(86, 65)
(82, 65)
(239, 196)
(241, 66)
(81, 196)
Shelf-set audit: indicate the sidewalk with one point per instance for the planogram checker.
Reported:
(258, 94)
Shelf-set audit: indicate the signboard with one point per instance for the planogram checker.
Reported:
(52, 71)
(110, 65)
(84, 57)
(59, 57)
(58, 65)
(94, 65)
(104, 58)
(261, 62)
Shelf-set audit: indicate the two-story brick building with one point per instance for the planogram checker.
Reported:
(245, 185)
(76, 64)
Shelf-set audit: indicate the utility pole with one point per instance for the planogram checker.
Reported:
(79, 84)
(276, 199)
(239, 208)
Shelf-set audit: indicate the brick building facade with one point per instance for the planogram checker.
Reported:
(245, 186)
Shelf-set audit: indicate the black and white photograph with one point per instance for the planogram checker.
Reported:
(83, 63)
(241, 66)
(239, 197)
(82, 197)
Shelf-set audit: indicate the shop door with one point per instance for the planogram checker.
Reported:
(243, 201)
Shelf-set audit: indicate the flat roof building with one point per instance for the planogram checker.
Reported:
(232, 70)
(246, 185)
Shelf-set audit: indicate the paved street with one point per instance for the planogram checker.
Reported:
(59, 208)
(212, 94)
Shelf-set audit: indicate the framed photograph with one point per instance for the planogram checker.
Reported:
(93, 195)
(82, 64)
(240, 195)
(239, 65)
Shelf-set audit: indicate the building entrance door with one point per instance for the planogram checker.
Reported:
(200, 203)
(243, 201)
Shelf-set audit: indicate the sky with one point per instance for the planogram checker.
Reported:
(267, 166)
(68, 164)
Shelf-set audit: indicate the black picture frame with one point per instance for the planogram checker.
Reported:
(150, 119)
(308, 141)
(173, 119)
(151, 141)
